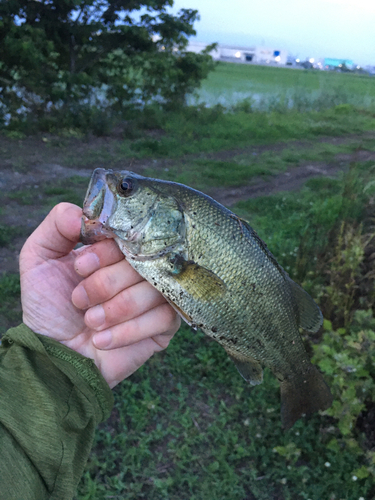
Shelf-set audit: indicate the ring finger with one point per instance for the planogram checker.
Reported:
(160, 320)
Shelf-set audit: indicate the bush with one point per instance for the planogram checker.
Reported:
(347, 359)
(86, 62)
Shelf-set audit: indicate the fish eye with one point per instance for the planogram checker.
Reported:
(126, 186)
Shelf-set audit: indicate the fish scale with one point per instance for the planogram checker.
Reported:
(217, 273)
(236, 259)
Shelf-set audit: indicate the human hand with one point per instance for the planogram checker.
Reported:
(65, 294)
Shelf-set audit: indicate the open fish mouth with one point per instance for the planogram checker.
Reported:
(93, 231)
(99, 205)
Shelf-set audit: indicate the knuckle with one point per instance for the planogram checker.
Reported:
(107, 283)
(98, 286)
(126, 304)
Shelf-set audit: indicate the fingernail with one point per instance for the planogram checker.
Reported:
(80, 298)
(102, 339)
(95, 316)
(86, 264)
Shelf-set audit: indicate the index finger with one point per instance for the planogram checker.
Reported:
(93, 257)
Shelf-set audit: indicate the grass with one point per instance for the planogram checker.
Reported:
(8, 234)
(208, 130)
(267, 86)
(244, 167)
(51, 193)
(187, 426)
(297, 226)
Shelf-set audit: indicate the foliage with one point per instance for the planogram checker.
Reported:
(58, 57)
(347, 358)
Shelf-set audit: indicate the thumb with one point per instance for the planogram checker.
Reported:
(55, 237)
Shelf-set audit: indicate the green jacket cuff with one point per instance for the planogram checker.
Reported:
(82, 371)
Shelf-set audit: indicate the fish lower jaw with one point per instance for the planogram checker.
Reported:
(93, 231)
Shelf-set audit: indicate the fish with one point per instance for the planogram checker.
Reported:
(219, 276)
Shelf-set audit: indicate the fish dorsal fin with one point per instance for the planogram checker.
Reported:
(198, 281)
(310, 316)
(249, 368)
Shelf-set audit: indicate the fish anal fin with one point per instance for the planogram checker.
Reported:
(180, 312)
(199, 282)
(248, 367)
(303, 395)
(310, 316)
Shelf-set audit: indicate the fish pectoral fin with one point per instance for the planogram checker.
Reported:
(199, 282)
(310, 316)
(249, 368)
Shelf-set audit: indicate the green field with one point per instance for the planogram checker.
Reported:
(231, 83)
(186, 426)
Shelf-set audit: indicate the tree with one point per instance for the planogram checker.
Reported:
(59, 54)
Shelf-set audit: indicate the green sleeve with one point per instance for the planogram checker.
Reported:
(51, 400)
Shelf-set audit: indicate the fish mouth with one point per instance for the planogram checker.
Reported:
(98, 206)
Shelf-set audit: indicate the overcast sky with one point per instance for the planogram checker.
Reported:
(305, 28)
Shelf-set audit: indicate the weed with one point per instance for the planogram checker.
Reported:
(344, 271)
(14, 134)
(25, 196)
(346, 356)
(58, 193)
(8, 233)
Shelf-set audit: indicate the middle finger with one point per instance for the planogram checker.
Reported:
(126, 305)
(104, 284)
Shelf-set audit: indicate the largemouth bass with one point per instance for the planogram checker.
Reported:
(217, 273)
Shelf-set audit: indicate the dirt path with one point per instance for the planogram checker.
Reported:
(35, 160)
(291, 180)
(26, 166)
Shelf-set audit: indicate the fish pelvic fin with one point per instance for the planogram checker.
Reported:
(303, 395)
(248, 367)
(310, 316)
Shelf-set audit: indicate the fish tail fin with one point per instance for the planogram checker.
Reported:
(303, 395)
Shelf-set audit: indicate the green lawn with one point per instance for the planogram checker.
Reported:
(230, 83)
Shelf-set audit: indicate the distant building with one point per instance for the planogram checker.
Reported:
(257, 55)
(197, 47)
(331, 63)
